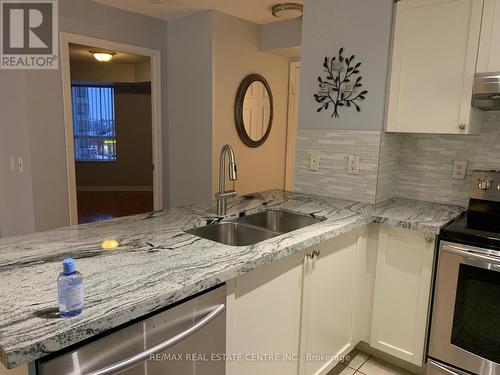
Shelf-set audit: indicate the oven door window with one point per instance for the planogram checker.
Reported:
(476, 322)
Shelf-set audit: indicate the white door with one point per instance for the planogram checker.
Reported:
(256, 110)
(293, 111)
(488, 59)
(435, 45)
(329, 303)
(402, 293)
(263, 317)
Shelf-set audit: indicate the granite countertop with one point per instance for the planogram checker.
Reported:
(158, 264)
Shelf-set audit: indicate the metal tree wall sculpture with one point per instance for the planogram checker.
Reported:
(342, 85)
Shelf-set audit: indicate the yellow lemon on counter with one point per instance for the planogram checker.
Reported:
(110, 244)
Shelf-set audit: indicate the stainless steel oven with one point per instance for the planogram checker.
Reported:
(465, 331)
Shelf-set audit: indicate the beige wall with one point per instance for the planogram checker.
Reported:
(21, 370)
(142, 72)
(133, 166)
(102, 72)
(236, 54)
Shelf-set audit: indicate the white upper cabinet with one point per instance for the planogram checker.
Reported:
(434, 52)
(488, 59)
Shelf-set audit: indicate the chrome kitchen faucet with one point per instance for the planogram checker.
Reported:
(222, 194)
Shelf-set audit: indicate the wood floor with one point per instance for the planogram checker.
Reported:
(105, 205)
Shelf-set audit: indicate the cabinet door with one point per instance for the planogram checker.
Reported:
(328, 303)
(434, 51)
(488, 59)
(402, 290)
(263, 317)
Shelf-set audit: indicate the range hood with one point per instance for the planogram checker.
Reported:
(486, 94)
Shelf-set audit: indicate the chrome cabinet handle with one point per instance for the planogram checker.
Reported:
(140, 357)
(313, 254)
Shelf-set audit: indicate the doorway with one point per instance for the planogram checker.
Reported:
(112, 129)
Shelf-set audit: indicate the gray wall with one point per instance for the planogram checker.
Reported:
(16, 197)
(40, 118)
(363, 28)
(133, 165)
(189, 75)
(283, 34)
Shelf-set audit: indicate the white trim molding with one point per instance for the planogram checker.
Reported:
(155, 55)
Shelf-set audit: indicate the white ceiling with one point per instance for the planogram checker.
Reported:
(79, 53)
(257, 11)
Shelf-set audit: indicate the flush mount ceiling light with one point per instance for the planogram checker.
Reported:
(287, 10)
(102, 56)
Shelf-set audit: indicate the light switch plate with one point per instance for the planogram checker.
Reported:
(353, 165)
(20, 165)
(314, 161)
(459, 169)
(12, 163)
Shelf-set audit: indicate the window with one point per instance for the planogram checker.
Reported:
(94, 123)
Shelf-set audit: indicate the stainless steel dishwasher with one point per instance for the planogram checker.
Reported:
(187, 339)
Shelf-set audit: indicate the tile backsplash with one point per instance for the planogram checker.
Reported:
(388, 170)
(426, 162)
(333, 148)
(413, 166)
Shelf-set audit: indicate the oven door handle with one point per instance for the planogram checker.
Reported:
(489, 262)
(141, 357)
(444, 368)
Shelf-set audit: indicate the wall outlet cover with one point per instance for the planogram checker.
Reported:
(459, 169)
(314, 161)
(353, 165)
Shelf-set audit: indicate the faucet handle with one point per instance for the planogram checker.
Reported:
(225, 194)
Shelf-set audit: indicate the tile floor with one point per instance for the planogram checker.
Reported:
(363, 364)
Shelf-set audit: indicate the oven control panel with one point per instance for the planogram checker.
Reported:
(485, 185)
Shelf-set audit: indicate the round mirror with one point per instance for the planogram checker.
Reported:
(253, 110)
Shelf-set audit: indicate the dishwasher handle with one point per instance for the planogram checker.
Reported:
(140, 357)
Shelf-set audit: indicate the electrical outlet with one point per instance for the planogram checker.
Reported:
(459, 169)
(353, 165)
(314, 161)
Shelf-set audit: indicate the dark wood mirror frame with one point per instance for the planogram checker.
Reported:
(238, 110)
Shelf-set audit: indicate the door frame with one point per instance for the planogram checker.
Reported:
(291, 129)
(155, 56)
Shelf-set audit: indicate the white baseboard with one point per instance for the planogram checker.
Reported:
(114, 188)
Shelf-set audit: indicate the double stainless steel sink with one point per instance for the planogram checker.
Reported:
(254, 228)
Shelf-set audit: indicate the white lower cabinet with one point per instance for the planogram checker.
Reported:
(402, 293)
(327, 322)
(263, 317)
(371, 284)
